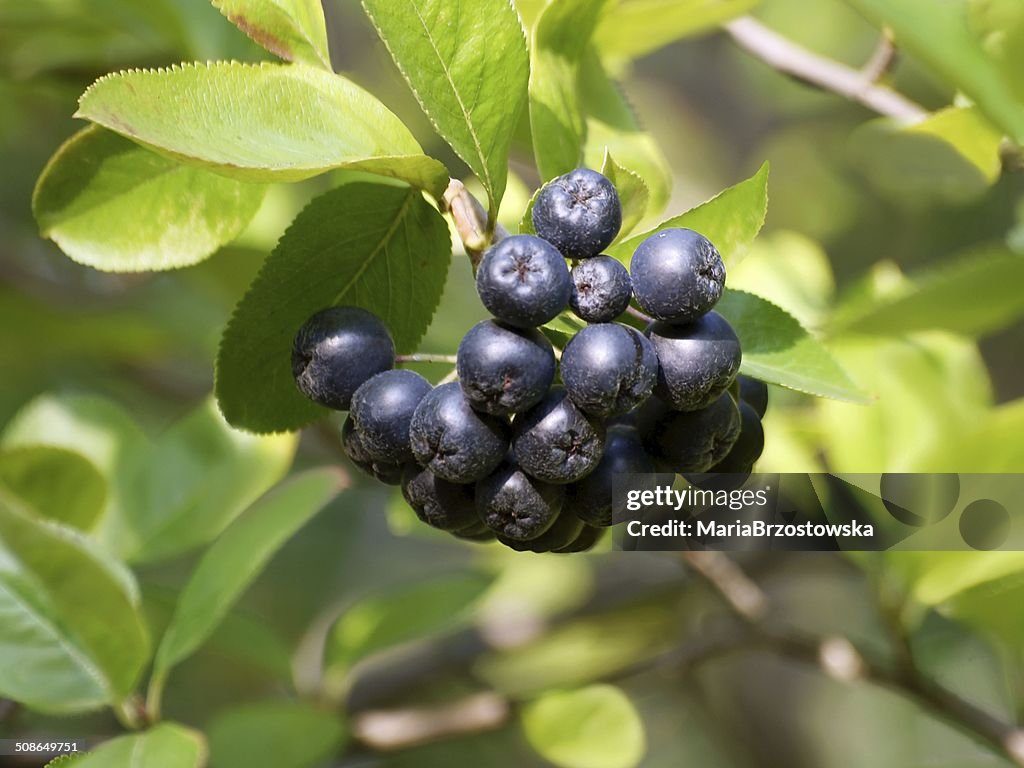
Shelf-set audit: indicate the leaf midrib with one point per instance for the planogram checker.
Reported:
(485, 171)
(399, 218)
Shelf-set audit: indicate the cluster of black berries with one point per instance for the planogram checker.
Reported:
(504, 452)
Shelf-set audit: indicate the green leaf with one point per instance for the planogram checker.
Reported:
(984, 607)
(467, 64)
(71, 633)
(913, 379)
(55, 483)
(292, 29)
(113, 205)
(557, 122)
(274, 734)
(936, 299)
(388, 253)
(165, 746)
(938, 34)
(198, 477)
(951, 157)
(776, 349)
(731, 220)
(93, 427)
(633, 192)
(613, 127)
(634, 28)
(592, 727)
(560, 330)
(237, 558)
(396, 617)
(265, 122)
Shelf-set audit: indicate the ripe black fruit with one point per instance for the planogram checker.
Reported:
(587, 538)
(749, 445)
(555, 441)
(338, 349)
(601, 289)
(689, 441)
(579, 213)
(609, 369)
(438, 503)
(516, 506)
(678, 275)
(502, 369)
(754, 392)
(523, 281)
(696, 362)
(382, 410)
(563, 532)
(389, 473)
(592, 499)
(455, 442)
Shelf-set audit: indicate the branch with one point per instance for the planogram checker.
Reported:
(840, 659)
(386, 730)
(855, 85)
(425, 358)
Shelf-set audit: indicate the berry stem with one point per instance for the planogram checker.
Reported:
(425, 358)
(634, 312)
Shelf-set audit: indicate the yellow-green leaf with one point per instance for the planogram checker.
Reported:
(114, 205)
(266, 122)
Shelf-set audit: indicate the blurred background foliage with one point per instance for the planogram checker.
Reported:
(902, 251)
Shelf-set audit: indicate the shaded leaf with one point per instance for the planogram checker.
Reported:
(730, 220)
(951, 157)
(944, 299)
(557, 122)
(71, 633)
(399, 616)
(468, 66)
(274, 734)
(165, 746)
(389, 253)
(592, 727)
(776, 349)
(292, 29)
(55, 483)
(634, 28)
(938, 34)
(237, 558)
(198, 476)
(265, 122)
(113, 205)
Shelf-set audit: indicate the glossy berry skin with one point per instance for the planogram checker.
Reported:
(592, 499)
(452, 440)
(601, 289)
(438, 503)
(382, 410)
(389, 473)
(755, 393)
(689, 441)
(609, 369)
(523, 281)
(587, 538)
(578, 213)
(516, 506)
(749, 445)
(563, 532)
(338, 349)
(555, 441)
(678, 275)
(697, 362)
(504, 370)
